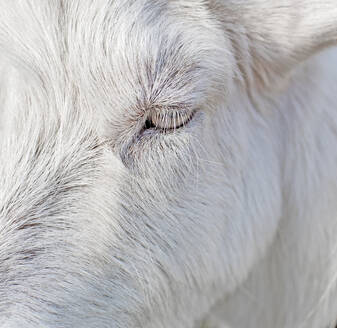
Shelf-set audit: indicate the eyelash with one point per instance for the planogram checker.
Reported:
(167, 120)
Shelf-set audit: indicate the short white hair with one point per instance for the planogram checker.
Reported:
(168, 163)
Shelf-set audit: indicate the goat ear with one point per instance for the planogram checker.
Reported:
(273, 36)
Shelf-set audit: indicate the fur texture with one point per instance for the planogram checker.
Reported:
(168, 163)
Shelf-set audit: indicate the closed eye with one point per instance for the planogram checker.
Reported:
(168, 119)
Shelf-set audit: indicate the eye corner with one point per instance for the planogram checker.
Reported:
(148, 124)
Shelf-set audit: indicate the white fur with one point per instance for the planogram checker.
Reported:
(228, 221)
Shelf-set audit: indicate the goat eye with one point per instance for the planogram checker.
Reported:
(168, 119)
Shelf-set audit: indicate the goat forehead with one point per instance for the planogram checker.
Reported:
(128, 54)
(113, 56)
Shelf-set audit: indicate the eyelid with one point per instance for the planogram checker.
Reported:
(169, 118)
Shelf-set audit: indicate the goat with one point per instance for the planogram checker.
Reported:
(168, 163)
